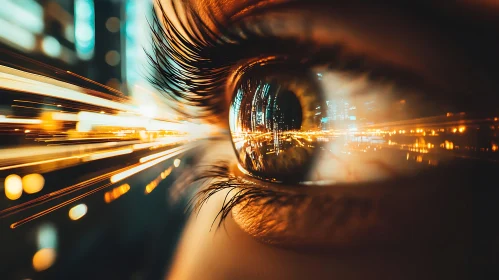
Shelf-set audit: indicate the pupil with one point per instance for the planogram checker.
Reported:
(288, 111)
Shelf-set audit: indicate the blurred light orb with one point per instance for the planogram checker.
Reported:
(113, 24)
(77, 212)
(176, 162)
(51, 46)
(43, 259)
(33, 183)
(84, 33)
(47, 236)
(113, 58)
(13, 187)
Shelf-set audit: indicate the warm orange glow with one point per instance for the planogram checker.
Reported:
(43, 259)
(152, 185)
(449, 145)
(454, 130)
(13, 187)
(115, 193)
(33, 183)
(494, 147)
(462, 129)
(77, 212)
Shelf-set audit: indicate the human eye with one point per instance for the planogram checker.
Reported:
(335, 143)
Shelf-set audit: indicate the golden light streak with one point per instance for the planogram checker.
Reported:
(153, 184)
(38, 162)
(85, 158)
(57, 194)
(116, 193)
(56, 207)
(132, 171)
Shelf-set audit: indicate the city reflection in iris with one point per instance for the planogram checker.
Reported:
(280, 139)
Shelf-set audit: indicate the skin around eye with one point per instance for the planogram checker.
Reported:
(405, 212)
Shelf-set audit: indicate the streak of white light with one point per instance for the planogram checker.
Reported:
(16, 153)
(169, 140)
(107, 154)
(88, 120)
(18, 80)
(65, 117)
(38, 162)
(19, 121)
(132, 171)
(86, 157)
(160, 154)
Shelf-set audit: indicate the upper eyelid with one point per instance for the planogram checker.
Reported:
(199, 75)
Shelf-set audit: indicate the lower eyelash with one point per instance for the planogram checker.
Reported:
(244, 193)
(219, 178)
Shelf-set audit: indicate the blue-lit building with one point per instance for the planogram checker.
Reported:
(87, 37)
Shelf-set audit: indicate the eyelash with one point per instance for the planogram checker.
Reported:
(211, 55)
(219, 178)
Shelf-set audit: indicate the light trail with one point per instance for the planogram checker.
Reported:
(17, 80)
(56, 207)
(28, 153)
(154, 183)
(4, 119)
(71, 189)
(157, 155)
(109, 154)
(56, 194)
(134, 170)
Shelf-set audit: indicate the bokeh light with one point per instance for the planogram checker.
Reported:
(77, 212)
(113, 24)
(13, 187)
(43, 259)
(113, 58)
(33, 183)
(176, 162)
(47, 236)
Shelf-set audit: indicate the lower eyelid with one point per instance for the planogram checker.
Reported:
(343, 216)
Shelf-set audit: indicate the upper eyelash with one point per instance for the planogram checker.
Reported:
(192, 68)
